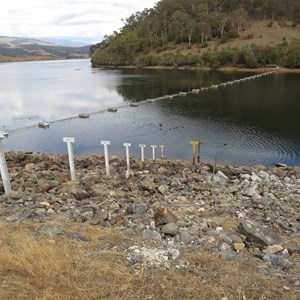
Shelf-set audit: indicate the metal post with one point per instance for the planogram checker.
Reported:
(69, 141)
(127, 145)
(105, 144)
(215, 166)
(194, 151)
(142, 146)
(3, 167)
(194, 144)
(162, 151)
(153, 151)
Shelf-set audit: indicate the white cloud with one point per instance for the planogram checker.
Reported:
(88, 19)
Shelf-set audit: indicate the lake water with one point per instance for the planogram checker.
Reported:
(250, 122)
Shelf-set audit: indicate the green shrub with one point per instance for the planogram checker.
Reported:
(266, 55)
(101, 58)
(211, 58)
(193, 59)
(295, 43)
(147, 60)
(230, 35)
(292, 58)
(167, 59)
(248, 58)
(180, 60)
(226, 56)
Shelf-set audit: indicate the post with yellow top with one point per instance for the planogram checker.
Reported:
(195, 144)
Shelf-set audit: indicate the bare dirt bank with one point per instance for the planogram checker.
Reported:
(204, 68)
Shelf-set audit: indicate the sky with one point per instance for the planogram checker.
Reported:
(76, 20)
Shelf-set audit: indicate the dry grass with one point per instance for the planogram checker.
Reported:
(39, 268)
(236, 280)
(36, 266)
(262, 35)
(266, 36)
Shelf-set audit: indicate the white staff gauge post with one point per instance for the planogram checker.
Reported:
(105, 144)
(69, 141)
(3, 166)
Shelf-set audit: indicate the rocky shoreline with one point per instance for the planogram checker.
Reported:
(239, 213)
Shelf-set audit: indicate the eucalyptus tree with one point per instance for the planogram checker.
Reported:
(220, 21)
(240, 18)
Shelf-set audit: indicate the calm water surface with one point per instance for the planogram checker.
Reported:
(251, 122)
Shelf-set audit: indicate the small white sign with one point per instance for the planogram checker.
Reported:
(69, 139)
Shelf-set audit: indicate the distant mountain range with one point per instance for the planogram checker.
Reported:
(28, 47)
(65, 42)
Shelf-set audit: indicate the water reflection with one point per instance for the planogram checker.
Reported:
(39, 91)
(246, 123)
(155, 83)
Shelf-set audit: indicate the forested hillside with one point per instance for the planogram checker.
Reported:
(148, 37)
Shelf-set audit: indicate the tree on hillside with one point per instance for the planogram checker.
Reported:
(189, 21)
(126, 45)
(240, 18)
(220, 21)
(203, 23)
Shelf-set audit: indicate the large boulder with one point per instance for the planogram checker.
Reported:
(257, 235)
(170, 229)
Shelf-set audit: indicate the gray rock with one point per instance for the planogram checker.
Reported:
(256, 235)
(76, 236)
(96, 221)
(186, 238)
(162, 171)
(51, 230)
(170, 228)
(140, 227)
(277, 260)
(255, 178)
(251, 191)
(226, 251)
(149, 234)
(273, 249)
(280, 165)
(226, 239)
(114, 158)
(236, 238)
(80, 194)
(15, 195)
(42, 204)
(140, 209)
(245, 176)
(20, 217)
(50, 211)
(40, 211)
(15, 218)
(163, 189)
(87, 208)
(222, 176)
(148, 184)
